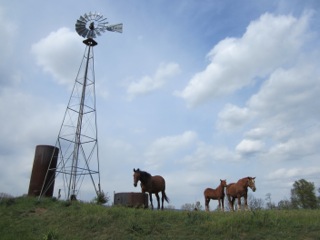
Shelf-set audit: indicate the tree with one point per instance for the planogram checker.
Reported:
(187, 207)
(169, 206)
(269, 203)
(303, 195)
(101, 198)
(190, 207)
(198, 206)
(255, 203)
(284, 205)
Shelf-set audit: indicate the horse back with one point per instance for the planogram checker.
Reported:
(233, 189)
(213, 193)
(208, 191)
(158, 184)
(230, 189)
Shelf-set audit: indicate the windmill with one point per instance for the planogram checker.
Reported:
(78, 135)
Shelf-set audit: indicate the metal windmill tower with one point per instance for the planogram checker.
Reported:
(78, 135)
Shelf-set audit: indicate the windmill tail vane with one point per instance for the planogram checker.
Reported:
(115, 28)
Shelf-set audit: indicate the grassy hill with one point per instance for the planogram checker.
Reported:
(26, 218)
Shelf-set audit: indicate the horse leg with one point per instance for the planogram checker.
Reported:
(239, 203)
(231, 201)
(158, 199)
(222, 203)
(219, 203)
(150, 196)
(246, 203)
(207, 200)
(162, 198)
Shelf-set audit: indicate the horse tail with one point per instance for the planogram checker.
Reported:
(165, 197)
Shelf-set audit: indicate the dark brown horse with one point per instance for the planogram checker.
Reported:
(238, 190)
(151, 184)
(215, 194)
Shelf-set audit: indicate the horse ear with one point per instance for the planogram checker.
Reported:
(254, 178)
(134, 170)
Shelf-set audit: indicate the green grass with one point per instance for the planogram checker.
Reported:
(26, 218)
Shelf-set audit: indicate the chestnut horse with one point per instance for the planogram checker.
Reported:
(238, 190)
(215, 194)
(151, 184)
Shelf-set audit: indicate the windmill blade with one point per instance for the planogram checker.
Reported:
(84, 33)
(81, 28)
(98, 32)
(82, 19)
(90, 15)
(104, 21)
(86, 17)
(115, 28)
(91, 34)
(99, 16)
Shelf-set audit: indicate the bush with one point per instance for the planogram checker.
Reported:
(101, 198)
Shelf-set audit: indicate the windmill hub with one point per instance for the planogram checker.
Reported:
(91, 26)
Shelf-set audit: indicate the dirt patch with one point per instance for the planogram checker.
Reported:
(38, 211)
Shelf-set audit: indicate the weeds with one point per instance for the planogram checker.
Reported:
(101, 198)
(51, 235)
(59, 220)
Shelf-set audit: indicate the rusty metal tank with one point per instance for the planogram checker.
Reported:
(45, 158)
(131, 199)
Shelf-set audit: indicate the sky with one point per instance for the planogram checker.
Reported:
(194, 91)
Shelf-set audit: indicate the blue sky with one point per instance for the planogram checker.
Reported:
(195, 91)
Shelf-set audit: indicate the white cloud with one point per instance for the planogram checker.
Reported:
(206, 155)
(256, 133)
(297, 147)
(9, 32)
(60, 54)
(232, 117)
(28, 121)
(288, 94)
(284, 112)
(27, 117)
(294, 173)
(151, 83)
(235, 62)
(248, 146)
(165, 147)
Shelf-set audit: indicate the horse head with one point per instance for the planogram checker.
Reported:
(136, 176)
(251, 183)
(223, 183)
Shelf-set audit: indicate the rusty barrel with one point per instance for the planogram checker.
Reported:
(45, 158)
(131, 199)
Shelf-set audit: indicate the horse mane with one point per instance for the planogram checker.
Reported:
(144, 177)
(245, 178)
